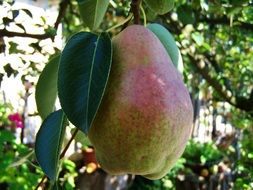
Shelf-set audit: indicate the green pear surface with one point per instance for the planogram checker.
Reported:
(146, 114)
(169, 43)
(160, 7)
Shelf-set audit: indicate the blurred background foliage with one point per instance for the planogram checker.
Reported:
(216, 41)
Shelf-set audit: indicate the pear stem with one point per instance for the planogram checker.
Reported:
(135, 8)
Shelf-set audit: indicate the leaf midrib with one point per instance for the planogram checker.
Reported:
(58, 148)
(89, 84)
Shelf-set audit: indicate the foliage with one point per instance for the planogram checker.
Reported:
(5, 111)
(244, 166)
(202, 153)
(11, 167)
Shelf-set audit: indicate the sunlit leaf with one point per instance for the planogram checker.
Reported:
(92, 12)
(46, 89)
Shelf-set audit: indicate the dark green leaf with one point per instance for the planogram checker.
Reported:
(46, 89)
(9, 70)
(15, 13)
(7, 21)
(92, 12)
(13, 47)
(48, 143)
(21, 26)
(83, 72)
(186, 14)
(28, 12)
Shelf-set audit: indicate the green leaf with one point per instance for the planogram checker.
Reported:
(168, 41)
(83, 73)
(46, 89)
(198, 38)
(92, 12)
(21, 26)
(160, 7)
(48, 143)
(22, 160)
(28, 12)
(15, 13)
(186, 14)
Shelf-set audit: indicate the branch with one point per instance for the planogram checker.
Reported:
(245, 104)
(226, 21)
(242, 103)
(63, 7)
(213, 82)
(135, 8)
(6, 33)
(62, 11)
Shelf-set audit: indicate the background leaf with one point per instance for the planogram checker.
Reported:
(186, 14)
(92, 12)
(83, 72)
(49, 141)
(46, 89)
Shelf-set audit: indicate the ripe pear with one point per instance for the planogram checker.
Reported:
(146, 114)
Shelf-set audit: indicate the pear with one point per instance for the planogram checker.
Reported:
(146, 114)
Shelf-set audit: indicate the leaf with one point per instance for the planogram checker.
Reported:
(48, 143)
(92, 12)
(198, 38)
(7, 21)
(28, 12)
(15, 13)
(168, 41)
(83, 73)
(160, 7)
(13, 47)
(21, 26)
(186, 14)
(9, 70)
(46, 89)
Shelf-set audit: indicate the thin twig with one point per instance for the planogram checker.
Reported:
(68, 144)
(41, 182)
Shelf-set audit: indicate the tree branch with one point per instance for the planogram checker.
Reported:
(63, 7)
(225, 21)
(6, 33)
(213, 82)
(242, 103)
